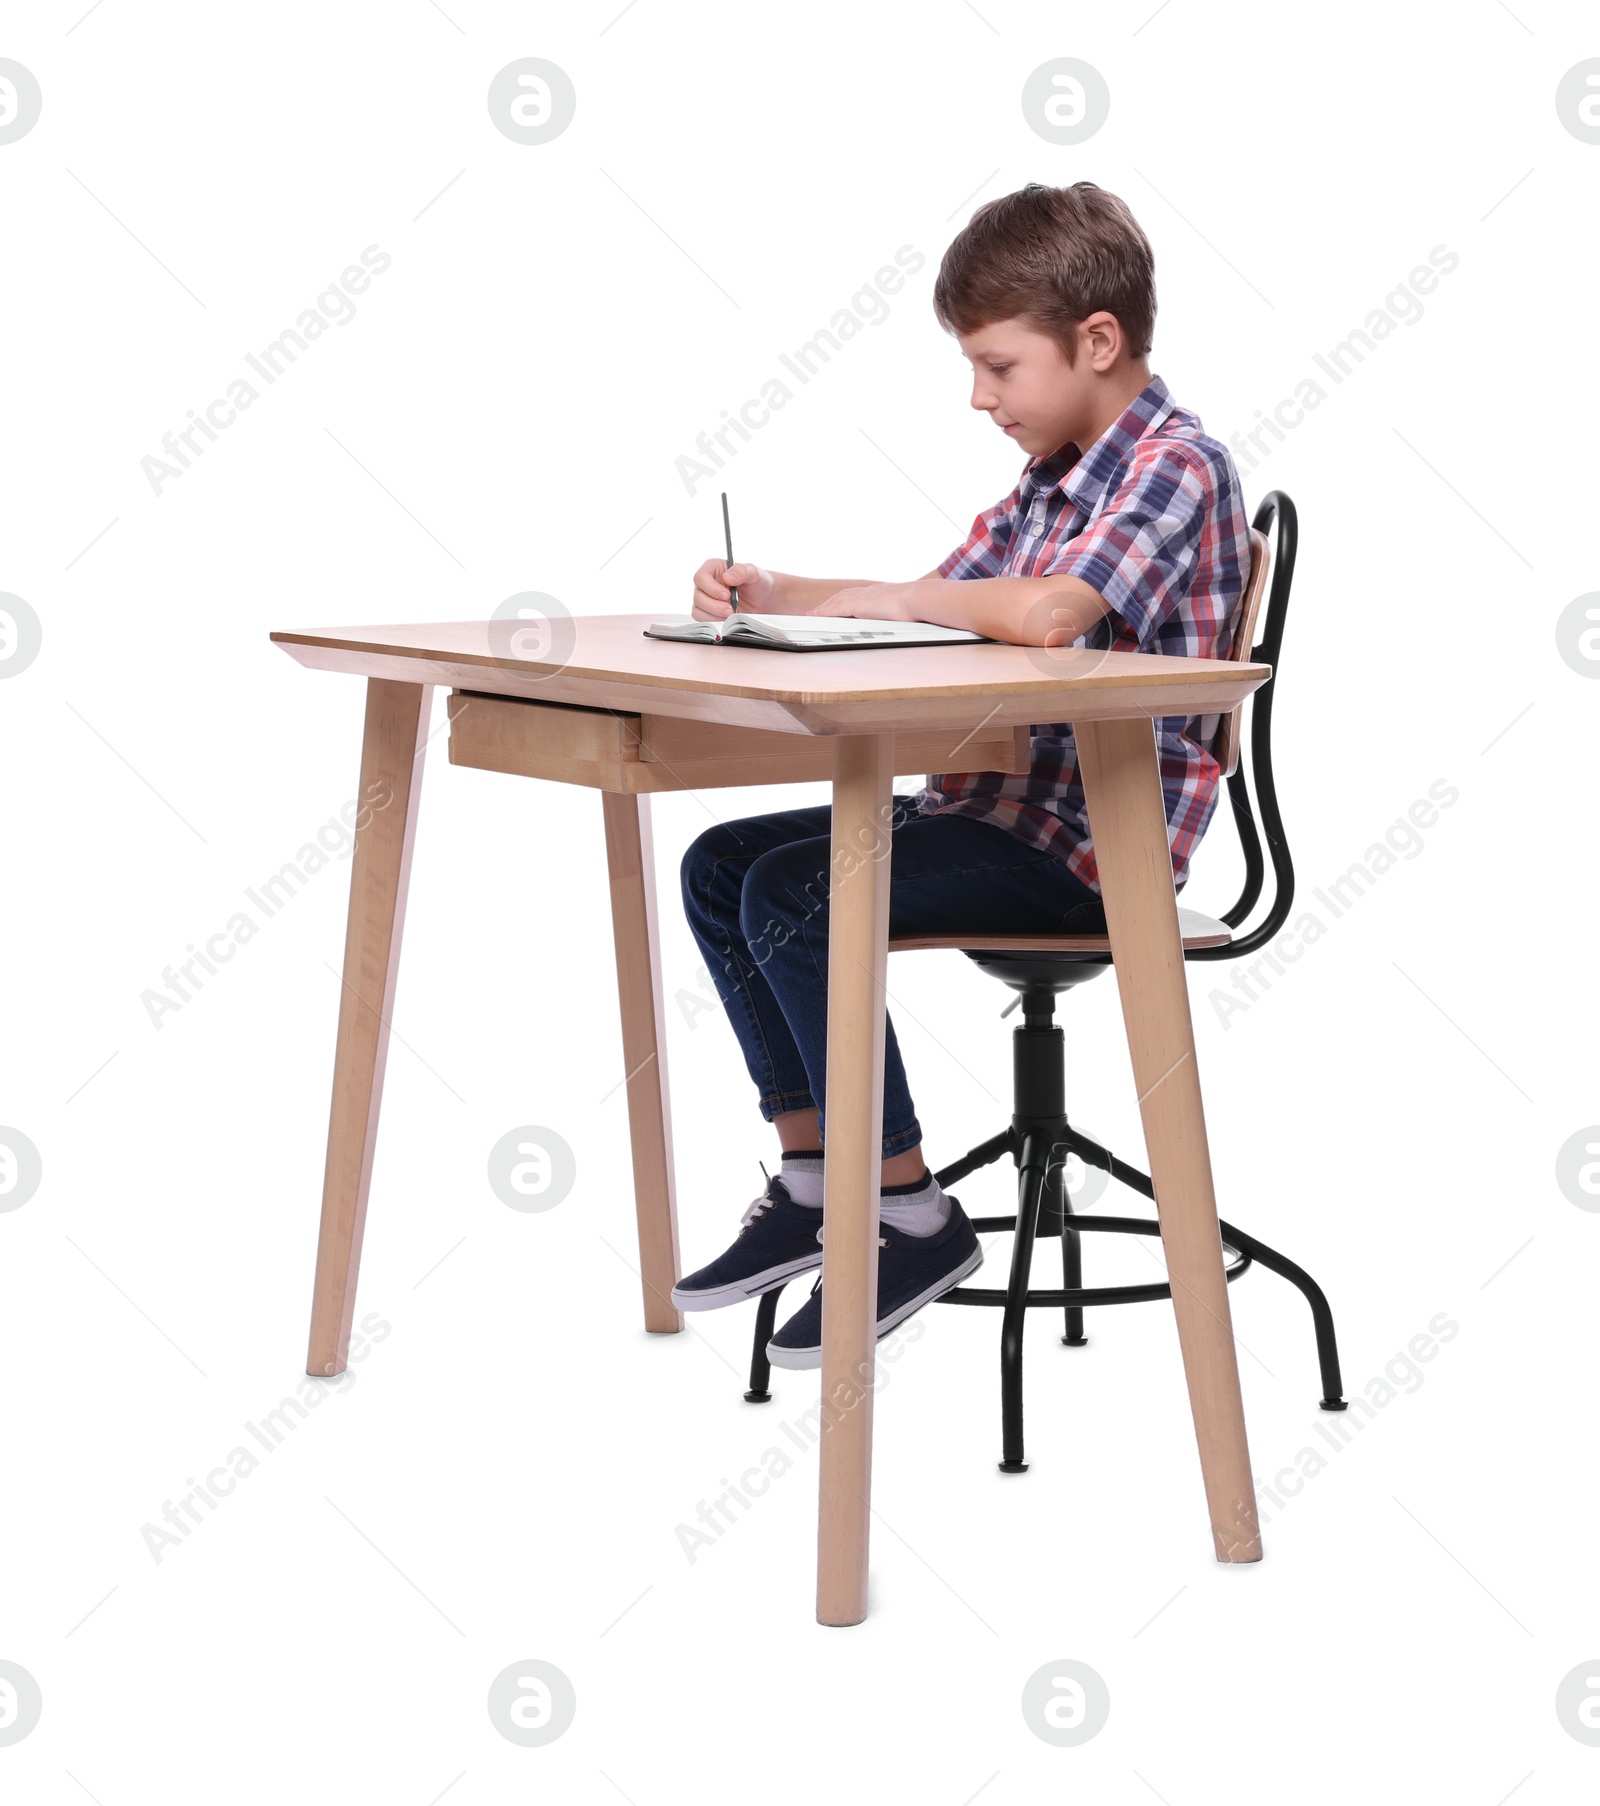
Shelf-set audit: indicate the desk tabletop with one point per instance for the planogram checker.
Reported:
(605, 661)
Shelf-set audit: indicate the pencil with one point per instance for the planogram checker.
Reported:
(727, 540)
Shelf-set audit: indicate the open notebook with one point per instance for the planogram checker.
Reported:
(808, 633)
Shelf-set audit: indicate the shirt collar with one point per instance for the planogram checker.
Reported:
(1085, 477)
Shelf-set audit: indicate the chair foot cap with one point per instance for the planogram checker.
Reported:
(1074, 1341)
(1013, 1467)
(1333, 1404)
(758, 1398)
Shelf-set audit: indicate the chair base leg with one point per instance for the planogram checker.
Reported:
(1321, 1316)
(1033, 1182)
(760, 1366)
(1071, 1262)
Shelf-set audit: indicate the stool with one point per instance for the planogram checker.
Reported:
(1039, 967)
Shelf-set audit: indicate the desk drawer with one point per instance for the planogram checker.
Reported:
(642, 753)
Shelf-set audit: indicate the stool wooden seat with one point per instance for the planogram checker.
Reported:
(1197, 931)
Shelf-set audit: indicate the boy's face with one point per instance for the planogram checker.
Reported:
(1022, 381)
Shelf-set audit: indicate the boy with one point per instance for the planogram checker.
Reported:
(1126, 532)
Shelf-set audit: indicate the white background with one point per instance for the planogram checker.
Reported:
(504, 1476)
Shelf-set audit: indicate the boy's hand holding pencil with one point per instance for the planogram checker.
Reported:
(724, 587)
(715, 580)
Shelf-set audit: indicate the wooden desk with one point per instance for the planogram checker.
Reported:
(630, 716)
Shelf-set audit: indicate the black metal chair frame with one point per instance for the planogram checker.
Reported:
(1040, 1138)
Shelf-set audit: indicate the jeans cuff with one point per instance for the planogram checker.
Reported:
(781, 1103)
(902, 1139)
(896, 1143)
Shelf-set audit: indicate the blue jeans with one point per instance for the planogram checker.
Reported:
(756, 895)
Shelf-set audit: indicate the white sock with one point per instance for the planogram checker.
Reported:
(801, 1173)
(918, 1209)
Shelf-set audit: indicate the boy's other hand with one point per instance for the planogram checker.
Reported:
(712, 601)
(873, 601)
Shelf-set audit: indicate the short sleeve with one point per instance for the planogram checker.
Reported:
(983, 551)
(1143, 548)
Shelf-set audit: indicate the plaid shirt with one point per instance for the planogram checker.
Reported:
(1150, 516)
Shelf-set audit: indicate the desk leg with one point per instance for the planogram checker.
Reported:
(1122, 784)
(858, 958)
(380, 869)
(630, 858)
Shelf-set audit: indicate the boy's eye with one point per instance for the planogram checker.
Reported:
(998, 369)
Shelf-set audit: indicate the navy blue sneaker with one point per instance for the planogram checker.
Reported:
(780, 1240)
(912, 1271)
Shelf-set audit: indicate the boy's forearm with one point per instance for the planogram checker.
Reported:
(799, 595)
(1023, 611)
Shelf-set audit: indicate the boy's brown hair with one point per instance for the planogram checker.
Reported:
(1052, 257)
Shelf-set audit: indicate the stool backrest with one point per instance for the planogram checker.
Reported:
(1230, 735)
(1274, 539)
